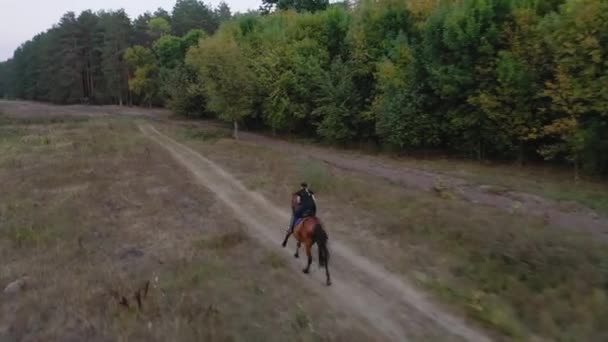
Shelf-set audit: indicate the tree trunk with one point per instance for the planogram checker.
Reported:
(124, 87)
(91, 83)
(235, 133)
(576, 169)
(520, 157)
(92, 86)
(85, 84)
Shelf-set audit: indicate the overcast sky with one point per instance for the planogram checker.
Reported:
(20, 20)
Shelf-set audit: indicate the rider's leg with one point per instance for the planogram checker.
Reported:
(290, 228)
(292, 222)
(297, 214)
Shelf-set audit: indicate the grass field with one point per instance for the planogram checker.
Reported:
(93, 213)
(512, 273)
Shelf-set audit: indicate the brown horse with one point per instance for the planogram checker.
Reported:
(308, 232)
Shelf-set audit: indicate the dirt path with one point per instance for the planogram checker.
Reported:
(394, 308)
(28, 109)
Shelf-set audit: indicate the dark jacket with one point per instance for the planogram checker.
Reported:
(307, 202)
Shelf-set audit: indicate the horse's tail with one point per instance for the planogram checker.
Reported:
(320, 237)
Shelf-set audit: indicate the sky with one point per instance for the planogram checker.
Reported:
(21, 20)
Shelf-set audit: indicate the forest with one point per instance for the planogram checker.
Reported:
(507, 80)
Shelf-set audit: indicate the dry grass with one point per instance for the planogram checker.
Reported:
(223, 241)
(274, 260)
(92, 212)
(511, 273)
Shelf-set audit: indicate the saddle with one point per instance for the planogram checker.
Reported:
(305, 216)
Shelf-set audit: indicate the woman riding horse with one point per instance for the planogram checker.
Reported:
(308, 229)
(304, 205)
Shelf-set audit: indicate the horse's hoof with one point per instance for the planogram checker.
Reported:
(329, 283)
(284, 244)
(305, 271)
(296, 256)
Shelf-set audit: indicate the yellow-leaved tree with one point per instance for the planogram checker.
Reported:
(226, 76)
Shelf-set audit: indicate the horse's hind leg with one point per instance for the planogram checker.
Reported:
(308, 249)
(297, 255)
(327, 277)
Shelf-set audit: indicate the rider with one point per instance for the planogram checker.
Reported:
(306, 205)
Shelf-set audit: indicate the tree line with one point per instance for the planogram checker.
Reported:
(487, 79)
(82, 58)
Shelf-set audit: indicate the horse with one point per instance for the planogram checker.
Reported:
(309, 231)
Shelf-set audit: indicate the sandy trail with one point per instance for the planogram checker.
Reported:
(360, 288)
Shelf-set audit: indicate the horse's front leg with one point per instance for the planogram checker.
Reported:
(289, 232)
(308, 250)
(297, 255)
